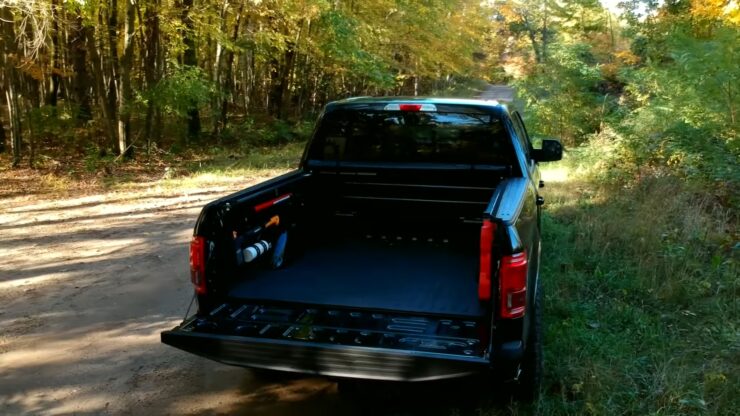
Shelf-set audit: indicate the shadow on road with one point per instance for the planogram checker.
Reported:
(270, 393)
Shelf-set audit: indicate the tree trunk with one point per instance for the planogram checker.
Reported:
(81, 79)
(55, 56)
(11, 97)
(11, 81)
(532, 34)
(33, 103)
(3, 75)
(217, 70)
(32, 90)
(125, 96)
(190, 59)
(2, 132)
(545, 35)
(152, 70)
(114, 80)
(249, 72)
(99, 70)
(229, 82)
(280, 81)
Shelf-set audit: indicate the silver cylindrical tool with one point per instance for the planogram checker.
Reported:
(255, 250)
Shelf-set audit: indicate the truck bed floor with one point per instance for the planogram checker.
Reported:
(437, 278)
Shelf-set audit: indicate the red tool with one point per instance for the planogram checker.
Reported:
(263, 206)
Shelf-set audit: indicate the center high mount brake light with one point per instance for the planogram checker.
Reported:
(410, 107)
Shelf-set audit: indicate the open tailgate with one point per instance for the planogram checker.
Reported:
(337, 342)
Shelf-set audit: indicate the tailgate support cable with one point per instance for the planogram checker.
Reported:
(189, 306)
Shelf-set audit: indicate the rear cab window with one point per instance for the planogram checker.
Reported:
(450, 135)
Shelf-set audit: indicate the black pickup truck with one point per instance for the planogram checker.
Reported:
(405, 247)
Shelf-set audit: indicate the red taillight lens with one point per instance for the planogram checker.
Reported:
(486, 245)
(410, 107)
(198, 264)
(513, 285)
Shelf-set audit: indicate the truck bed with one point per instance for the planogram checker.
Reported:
(373, 272)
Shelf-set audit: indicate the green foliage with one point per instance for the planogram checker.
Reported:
(94, 161)
(342, 44)
(666, 107)
(642, 254)
(463, 88)
(562, 96)
(184, 89)
(640, 283)
(52, 122)
(683, 111)
(250, 133)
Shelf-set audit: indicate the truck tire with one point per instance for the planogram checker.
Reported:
(532, 366)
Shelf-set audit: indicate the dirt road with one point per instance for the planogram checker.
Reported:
(87, 284)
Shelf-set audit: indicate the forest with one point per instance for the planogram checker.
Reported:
(129, 75)
(122, 77)
(642, 306)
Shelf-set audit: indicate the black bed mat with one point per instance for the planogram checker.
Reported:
(435, 277)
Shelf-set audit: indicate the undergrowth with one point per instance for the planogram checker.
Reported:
(92, 173)
(641, 284)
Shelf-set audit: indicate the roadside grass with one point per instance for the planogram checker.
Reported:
(223, 166)
(215, 166)
(641, 292)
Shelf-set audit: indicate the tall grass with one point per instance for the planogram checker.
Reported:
(640, 281)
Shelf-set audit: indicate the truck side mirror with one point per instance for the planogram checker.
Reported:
(551, 151)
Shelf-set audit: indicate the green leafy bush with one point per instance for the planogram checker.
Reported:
(562, 96)
(185, 88)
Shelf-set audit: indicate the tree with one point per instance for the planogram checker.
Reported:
(125, 95)
(189, 59)
(153, 65)
(77, 49)
(11, 80)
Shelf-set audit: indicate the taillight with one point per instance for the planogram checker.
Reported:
(486, 245)
(513, 285)
(198, 264)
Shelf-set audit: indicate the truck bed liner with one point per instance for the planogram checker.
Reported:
(423, 277)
